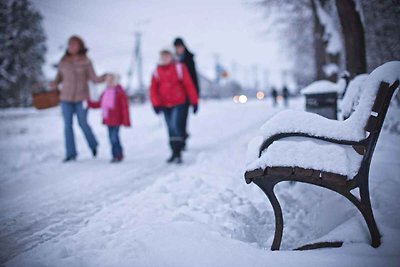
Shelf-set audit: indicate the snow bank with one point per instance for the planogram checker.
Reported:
(352, 96)
(351, 129)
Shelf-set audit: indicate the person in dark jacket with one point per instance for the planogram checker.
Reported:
(285, 94)
(274, 94)
(186, 57)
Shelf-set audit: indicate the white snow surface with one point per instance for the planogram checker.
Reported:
(144, 212)
(310, 154)
(351, 129)
(330, 69)
(352, 96)
(341, 85)
(331, 34)
(320, 87)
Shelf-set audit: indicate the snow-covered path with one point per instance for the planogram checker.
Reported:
(144, 212)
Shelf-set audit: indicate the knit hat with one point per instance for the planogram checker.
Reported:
(179, 41)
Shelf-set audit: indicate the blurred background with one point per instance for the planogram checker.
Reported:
(241, 47)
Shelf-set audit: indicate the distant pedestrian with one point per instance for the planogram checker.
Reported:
(186, 57)
(274, 94)
(171, 88)
(115, 112)
(285, 94)
(75, 70)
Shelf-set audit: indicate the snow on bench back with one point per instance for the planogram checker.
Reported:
(389, 73)
(352, 96)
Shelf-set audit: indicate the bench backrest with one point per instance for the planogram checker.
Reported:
(375, 121)
(375, 96)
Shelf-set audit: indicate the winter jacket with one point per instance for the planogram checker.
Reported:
(170, 88)
(74, 75)
(187, 59)
(117, 112)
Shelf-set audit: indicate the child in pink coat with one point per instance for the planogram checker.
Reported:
(115, 112)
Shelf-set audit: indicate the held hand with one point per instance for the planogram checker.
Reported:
(195, 109)
(157, 110)
(104, 76)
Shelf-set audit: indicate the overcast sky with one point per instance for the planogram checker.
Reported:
(230, 28)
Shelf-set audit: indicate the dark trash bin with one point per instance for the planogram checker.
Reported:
(324, 104)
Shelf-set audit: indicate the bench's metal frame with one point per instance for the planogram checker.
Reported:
(268, 178)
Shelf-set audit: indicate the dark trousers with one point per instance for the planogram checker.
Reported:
(184, 119)
(173, 118)
(116, 148)
(68, 110)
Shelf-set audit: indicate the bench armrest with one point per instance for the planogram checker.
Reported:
(292, 123)
(356, 144)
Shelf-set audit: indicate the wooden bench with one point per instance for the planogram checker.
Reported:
(267, 177)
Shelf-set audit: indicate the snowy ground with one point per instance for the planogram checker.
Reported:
(144, 212)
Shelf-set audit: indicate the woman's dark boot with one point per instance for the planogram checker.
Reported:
(179, 147)
(176, 147)
(171, 159)
(68, 159)
(94, 152)
(185, 138)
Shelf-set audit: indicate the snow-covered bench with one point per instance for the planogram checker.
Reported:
(352, 95)
(305, 147)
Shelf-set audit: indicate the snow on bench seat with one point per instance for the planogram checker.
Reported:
(310, 154)
(315, 154)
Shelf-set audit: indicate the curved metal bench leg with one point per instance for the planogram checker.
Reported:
(278, 217)
(364, 206)
(268, 189)
(366, 211)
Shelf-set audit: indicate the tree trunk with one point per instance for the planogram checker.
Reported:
(319, 45)
(353, 33)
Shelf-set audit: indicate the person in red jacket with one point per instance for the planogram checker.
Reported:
(115, 110)
(171, 86)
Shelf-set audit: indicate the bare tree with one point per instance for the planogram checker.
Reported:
(354, 39)
(318, 42)
(382, 31)
(306, 31)
(291, 22)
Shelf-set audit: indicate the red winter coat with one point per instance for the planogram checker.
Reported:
(119, 115)
(170, 88)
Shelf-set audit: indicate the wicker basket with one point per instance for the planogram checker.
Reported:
(46, 99)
